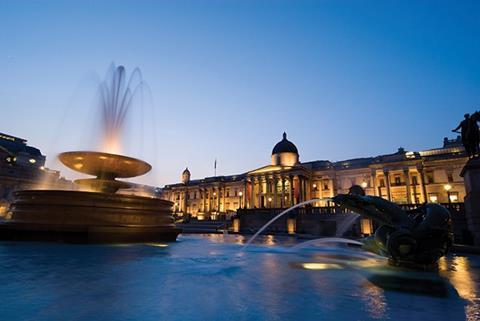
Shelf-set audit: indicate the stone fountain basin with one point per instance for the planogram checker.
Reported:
(104, 164)
(74, 216)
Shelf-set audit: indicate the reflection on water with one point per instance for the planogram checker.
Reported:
(209, 278)
(460, 273)
(374, 299)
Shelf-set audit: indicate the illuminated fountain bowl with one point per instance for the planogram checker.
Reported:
(106, 167)
(92, 217)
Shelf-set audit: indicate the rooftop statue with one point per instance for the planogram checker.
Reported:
(415, 238)
(469, 130)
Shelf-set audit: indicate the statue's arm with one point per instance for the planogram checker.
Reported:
(456, 129)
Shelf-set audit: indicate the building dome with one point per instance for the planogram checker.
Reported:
(285, 153)
(284, 146)
(186, 176)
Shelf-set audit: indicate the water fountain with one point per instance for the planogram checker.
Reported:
(417, 239)
(97, 213)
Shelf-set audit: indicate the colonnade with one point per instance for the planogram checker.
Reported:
(276, 191)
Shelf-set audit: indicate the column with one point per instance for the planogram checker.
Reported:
(185, 201)
(422, 183)
(290, 178)
(243, 198)
(374, 181)
(268, 191)
(250, 193)
(305, 189)
(282, 201)
(275, 196)
(260, 191)
(407, 183)
(252, 201)
(224, 195)
(387, 182)
(300, 189)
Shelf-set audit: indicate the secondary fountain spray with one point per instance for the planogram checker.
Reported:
(280, 215)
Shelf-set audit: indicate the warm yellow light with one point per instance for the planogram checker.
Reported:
(32, 160)
(321, 266)
(291, 225)
(269, 199)
(366, 226)
(433, 198)
(236, 225)
(314, 185)
(214, 194)
(447, 187)
(102, 157)
(241, 194)
(158, 244)
(364, 184)
(78, 165)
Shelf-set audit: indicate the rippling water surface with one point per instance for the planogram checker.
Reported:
(209, 278)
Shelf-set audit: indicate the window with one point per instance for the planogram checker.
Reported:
(453, 197)
(450, 177)
(433, 198)
(414, 180)
(430, 179)
(382, 182)
(325, 185)
(228, 193)
(397, 180)
(236, 193)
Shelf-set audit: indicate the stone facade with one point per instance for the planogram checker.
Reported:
(404, 177)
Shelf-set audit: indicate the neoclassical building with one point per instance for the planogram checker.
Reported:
(404, 177)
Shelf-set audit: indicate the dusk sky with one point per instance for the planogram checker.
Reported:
(344, 79)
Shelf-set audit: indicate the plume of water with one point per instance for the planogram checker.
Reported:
(326, 240)
(116, 96)
(346, 224)
(280, 215)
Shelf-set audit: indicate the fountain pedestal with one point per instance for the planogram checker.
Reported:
(471, 177)
(97, 215)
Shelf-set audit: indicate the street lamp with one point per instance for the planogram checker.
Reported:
(270, 202)
(240, 198)
(448, 187)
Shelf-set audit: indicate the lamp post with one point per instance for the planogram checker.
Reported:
(448, 187)
(269, 202)
(314, 191)
(240, 194)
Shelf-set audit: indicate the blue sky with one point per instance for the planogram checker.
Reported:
(344, 79)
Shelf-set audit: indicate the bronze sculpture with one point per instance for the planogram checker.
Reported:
(470, 134)
(416, 238)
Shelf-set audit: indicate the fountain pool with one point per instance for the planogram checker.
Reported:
(209, 277)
